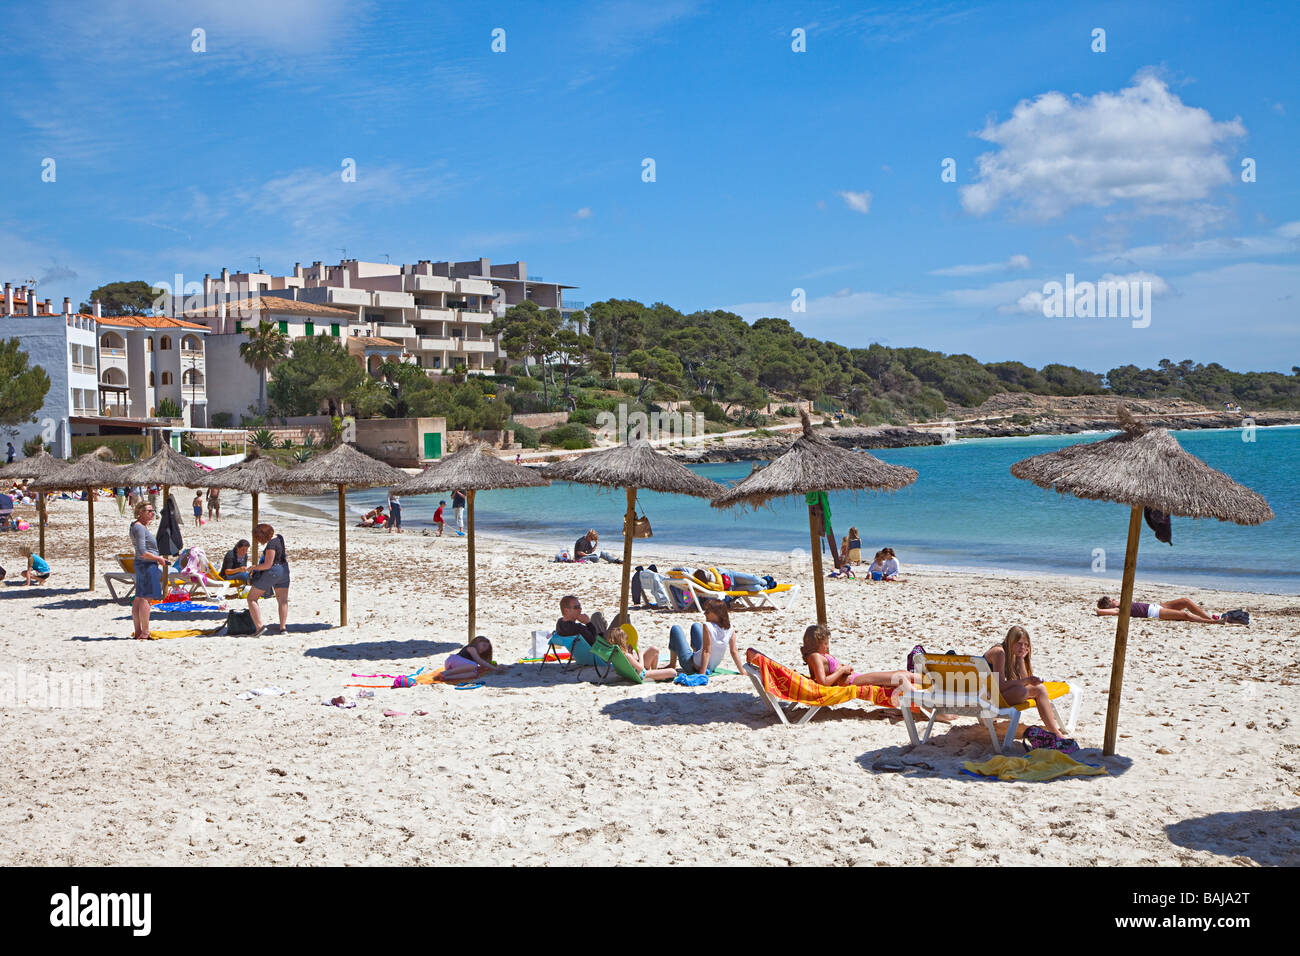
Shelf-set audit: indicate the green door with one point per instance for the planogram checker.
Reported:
(432, 445)
(310, 328)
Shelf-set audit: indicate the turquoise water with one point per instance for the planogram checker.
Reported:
(964, 510)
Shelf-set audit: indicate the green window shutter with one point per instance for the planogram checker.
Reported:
(311, 328)
(284, 327)
(239, 327)
(432, 445)
(334, 330)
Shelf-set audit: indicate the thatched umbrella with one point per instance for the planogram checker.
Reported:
(1141, 467)
(254, 475)
(165, 467)
(36, 467)
(85, 474)
(344, 467)
(473, 468)
(810, 466)
(632, 466)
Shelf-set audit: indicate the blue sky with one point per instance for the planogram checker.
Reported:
(775, 170)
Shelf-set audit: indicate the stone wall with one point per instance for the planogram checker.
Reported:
(541, 420)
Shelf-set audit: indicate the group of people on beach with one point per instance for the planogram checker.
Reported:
(883, 566)
(376, 517)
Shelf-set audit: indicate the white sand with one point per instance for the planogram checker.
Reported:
(541, 767)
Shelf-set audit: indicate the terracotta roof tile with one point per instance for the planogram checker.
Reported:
(269, 303)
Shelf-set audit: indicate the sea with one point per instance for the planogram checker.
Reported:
(965, 511)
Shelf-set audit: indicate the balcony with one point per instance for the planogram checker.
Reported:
(467, 315)
(392, 300)
(433, 343)
(474, 287)
(435, 315)
(395, 332)
(192, 354)
(476, 345)
(571, 305)
(107, 353)
(337, 296)
(429, 284)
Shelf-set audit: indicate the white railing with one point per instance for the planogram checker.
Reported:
(104, 350)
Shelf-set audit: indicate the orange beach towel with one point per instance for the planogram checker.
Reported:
(788, 685)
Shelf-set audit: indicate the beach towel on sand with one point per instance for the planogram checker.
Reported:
(789, 685)
(1037, 765)
(185, 632)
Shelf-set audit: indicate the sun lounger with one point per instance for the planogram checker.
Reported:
(125, 579)
(580, 654)
(964, 685)
(781, 597)
(784, 688)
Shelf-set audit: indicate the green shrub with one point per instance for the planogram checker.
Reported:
(570, 437)
(287, 443)
(628, 386)
(587, 381)
(34, 445)
(523, 434)
(168, 409)
(787, 411)
(262, 438)
(584, 416)
(125, 448)
(223, 420)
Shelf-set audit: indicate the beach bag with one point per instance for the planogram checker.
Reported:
(640, 527)
(1236, 617)
(239, 623)
(539, 643)
(679, 596)
(1042, 738)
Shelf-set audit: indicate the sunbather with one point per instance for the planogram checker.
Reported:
(647, 663)
(467, 661)
(573, 623)
(825, 669)
(1010, 660)
(702, 651)
(1178, 609)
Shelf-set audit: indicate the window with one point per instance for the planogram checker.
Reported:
(151, 379)
(284, 327)
(167, 378)
(148, 345)
(310, 328)
(437, 361)
(334, 329)
(165, 343)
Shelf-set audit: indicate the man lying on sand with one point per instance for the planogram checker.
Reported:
(1178, 609)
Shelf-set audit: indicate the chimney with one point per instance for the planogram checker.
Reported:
(97, 309)
(67, 306)
(347, 278)
(297, 270)
(47, 307)
(31, 302)
(9, 299)
(207, 286)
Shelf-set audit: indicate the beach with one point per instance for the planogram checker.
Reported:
(540, 766)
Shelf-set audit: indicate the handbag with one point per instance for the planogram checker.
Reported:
(239, 623)
(640, 527)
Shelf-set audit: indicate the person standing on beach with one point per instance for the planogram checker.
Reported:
(198, 508)
(148, 566)
(458, 510)
(269, 576)
(214, 504)
(120, 495)
(438, 519)
(9, 457)
(394, 512)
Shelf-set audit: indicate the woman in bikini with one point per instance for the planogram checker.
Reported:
(1010, 660)
(1178, 609)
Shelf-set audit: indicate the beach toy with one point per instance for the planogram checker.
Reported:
(474, 686)
(401, 680)
(23, 525)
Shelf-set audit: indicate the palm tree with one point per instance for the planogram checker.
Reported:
(264, 349)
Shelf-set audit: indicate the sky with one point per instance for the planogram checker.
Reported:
(705, 155)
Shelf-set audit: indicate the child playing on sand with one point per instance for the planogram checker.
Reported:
(198, 508)
(1010, 660)
(825, 669)
(467, 661)
(647, 663)
(437, 517)
(37, 570)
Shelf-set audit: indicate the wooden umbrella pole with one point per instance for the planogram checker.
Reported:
(1121, 631)
(90, 510)
(343, 558)
(815, 525)
(629, 525)
(255, 517)
(473, 588)
(40, 507)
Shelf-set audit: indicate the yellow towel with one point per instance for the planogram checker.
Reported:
(187, 632)
(1041, 764)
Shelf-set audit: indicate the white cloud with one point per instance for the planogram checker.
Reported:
(1015, 262)
(1284, 240)
(1141, 146)
(583, 213)
(858, 202)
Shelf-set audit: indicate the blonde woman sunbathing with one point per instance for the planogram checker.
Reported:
(647, 663)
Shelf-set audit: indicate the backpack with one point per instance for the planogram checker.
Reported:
(239, 623)
(1036, 737)
(1236, 617)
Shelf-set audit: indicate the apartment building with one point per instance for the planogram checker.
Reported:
(438, 312)
(104, 371)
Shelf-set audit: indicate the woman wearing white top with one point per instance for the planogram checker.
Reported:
(702, 652)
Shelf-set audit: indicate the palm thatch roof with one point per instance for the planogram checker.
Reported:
(165, 467)
(37, 466)
(254, 474)
(1145, 467)
(813, 463)
(635, 465)
(344, 466)
(473, 467)
(88, 471)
